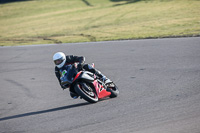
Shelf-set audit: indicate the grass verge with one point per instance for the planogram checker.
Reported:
(63, 21)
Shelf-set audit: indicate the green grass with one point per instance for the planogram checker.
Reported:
(64, 21)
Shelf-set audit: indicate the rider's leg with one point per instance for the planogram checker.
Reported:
(73, 95)
(91, 69)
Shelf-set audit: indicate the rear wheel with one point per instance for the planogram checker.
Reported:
(86, 92)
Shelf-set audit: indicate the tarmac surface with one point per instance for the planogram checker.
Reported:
(159, 82)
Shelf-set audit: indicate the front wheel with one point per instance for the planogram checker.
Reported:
(113, 89)
(86, 92)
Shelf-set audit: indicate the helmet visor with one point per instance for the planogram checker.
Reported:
(58, 61)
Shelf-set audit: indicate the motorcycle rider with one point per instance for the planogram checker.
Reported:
(61, 60)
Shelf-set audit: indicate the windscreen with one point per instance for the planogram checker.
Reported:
(67, 74)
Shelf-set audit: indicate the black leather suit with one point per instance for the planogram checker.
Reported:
(71, 59)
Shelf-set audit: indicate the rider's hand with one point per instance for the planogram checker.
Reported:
(79, 67)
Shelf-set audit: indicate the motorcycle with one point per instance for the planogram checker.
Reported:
(86, 84)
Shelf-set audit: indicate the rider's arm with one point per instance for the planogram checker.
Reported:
(57, 75)
(74, 59)
(78, 59)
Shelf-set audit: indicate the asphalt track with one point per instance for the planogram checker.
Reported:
(159, 82)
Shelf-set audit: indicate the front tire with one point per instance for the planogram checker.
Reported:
(113, 89)
(86, 92)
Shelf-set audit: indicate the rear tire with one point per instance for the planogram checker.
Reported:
(86, 92)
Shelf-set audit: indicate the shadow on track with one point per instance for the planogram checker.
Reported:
(44, 111)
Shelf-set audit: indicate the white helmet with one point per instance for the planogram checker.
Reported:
(59, 59)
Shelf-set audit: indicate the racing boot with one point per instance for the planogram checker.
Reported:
(73, 95)
(91, 69)
(101, 76)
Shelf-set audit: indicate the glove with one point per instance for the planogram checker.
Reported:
(79, 67)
